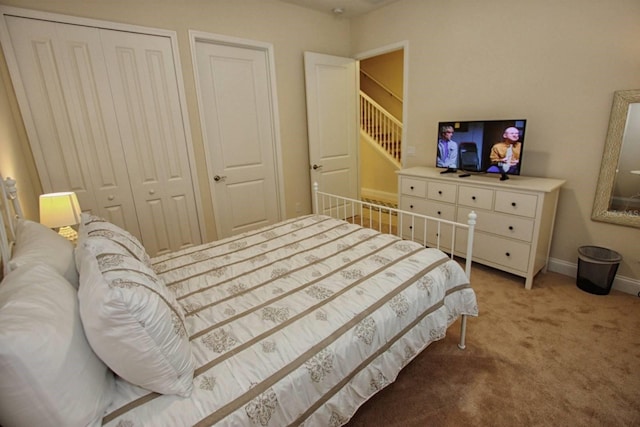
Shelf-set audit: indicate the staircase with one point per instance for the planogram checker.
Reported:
(381, 127)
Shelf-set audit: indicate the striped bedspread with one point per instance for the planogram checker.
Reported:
(298, 323)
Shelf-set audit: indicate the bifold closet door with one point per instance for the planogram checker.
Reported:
(143, 84)
(70, 117)
(104, 119)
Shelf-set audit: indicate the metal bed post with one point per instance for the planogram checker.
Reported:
(315, 196)
(467, 269)
(472, 225)
(11, 212)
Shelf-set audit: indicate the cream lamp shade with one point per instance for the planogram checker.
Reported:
(60, 210)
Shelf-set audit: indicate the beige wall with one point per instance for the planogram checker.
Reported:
(555, 63)
(378, 179)
(388, 71)
(291, 29)
(15, 156)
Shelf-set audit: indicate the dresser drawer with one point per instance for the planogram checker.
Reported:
(516, 203)
(503, 225)
(497, 250)
(441, 211)
(414, 205)
(441, 192)
(479, 198)
(413, 230)
(413, 187)
(435, 237)
(436, 233)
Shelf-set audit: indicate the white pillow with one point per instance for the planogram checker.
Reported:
(94, 226)
(36, 243)
(133, 321)
(49, 375)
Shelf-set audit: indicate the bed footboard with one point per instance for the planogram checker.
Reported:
(390, 220)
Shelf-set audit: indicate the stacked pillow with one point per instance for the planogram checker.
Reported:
(49, 375)
(132, 321)
(36, 243)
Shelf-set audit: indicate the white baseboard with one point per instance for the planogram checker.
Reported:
(620, 283)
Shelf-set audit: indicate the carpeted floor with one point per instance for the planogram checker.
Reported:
(551, 356)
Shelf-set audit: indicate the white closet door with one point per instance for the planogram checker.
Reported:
(239, 131)
(70, 117)
(104, 119)
(143, 83)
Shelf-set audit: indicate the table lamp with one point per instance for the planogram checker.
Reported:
(61, 210)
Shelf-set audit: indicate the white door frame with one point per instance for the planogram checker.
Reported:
(404, 45)
(267, 48)
(23, 102)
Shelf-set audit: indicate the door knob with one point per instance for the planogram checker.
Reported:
(219, 178)
(316, 167)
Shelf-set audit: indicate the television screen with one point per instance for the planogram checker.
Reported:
(491, 146)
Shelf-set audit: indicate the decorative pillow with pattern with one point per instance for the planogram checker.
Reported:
(132, 320)
(91, 225)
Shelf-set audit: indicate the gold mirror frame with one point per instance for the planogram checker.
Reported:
(610, 158)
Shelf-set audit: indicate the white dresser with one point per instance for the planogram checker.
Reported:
(515, 216)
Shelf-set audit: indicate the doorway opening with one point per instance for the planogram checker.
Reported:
(382, 123)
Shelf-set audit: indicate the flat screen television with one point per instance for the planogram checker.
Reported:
(481, 146)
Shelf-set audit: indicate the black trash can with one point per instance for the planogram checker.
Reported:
(596, 269)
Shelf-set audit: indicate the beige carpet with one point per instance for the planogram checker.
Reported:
(551, 356)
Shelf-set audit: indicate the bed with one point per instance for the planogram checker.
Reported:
(296, 323)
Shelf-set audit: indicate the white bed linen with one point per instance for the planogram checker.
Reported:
(298, 323)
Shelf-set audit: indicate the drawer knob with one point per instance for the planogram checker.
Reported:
(411, 206)
(508, 254)
(411, 227)
(513, 204)
(511, 227)
(411, 187)
(473, 197)
(439, 213)
(440, 192)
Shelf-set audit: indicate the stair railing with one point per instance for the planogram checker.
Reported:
(381, 126)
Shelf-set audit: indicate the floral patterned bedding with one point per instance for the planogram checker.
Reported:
(298, 323)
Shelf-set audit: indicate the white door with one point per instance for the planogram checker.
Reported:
(332, 108)
(143, 83)
(104, 119)
(62, 71)
(237, 109)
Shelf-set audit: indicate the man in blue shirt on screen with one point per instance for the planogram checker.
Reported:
(447, 149)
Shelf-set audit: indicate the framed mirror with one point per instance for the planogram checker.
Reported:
(617, 198)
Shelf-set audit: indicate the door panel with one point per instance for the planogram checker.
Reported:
(72, 129)
(239, 131)
(331, 85)
(143, 82)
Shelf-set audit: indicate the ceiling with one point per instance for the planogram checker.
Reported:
(349, 8)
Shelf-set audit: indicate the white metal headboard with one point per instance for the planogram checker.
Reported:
(11, 211)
